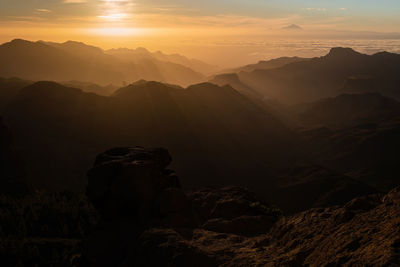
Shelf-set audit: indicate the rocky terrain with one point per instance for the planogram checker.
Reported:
(148, 220)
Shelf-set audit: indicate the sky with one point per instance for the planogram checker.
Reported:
(209, 29)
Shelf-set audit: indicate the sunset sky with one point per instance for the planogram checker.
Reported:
(186, 26)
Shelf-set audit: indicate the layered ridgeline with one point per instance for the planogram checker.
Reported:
(80, 62)
(341, 70)
(216, 135)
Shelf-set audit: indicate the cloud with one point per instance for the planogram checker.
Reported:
(318, 9)
(74, 1)
(43, 10)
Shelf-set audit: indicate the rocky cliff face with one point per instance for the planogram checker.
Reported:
(147, 220)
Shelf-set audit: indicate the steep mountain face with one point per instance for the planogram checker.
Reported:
(216, 135)
(347, 110)
(142, 53)
(77, 61)
(317, 78)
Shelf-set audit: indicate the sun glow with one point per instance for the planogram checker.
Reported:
(114, 16)
(116, 10)
(118, 31)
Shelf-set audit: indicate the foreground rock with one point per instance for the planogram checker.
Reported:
(147, 220)
(364, 232)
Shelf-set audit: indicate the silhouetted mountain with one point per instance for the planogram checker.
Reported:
(309, 80)
(9, 88)
(348, 110)
(92, 87)
(213, 130)
(142, 53)
(80, 62)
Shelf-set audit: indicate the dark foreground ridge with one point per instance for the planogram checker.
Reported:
(148, 220)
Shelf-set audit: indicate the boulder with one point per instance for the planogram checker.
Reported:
(135, 183)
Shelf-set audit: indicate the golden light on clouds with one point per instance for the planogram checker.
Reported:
(119, 32)
(116, 10)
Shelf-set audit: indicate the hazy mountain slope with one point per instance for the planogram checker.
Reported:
(148, 66)
(92, 87)
(233, 80)
(316, 78)
(347, 110)
(268, 64)
(39, 61)
(142, 53)
(80, 62)
(216, 135)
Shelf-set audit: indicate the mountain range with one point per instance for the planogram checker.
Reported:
(341, 70)
(216, 131)
(239, 128)
(80, 62)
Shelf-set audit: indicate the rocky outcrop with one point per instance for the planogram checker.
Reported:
(147, 220)
(233, 210)
(364, 232)
(134, 183)
(133, 191)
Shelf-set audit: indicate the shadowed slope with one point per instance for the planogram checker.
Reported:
(213, 130)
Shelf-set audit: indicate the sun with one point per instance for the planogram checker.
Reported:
(115, 10)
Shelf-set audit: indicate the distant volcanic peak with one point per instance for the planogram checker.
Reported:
(293, 27)
(342, 52)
